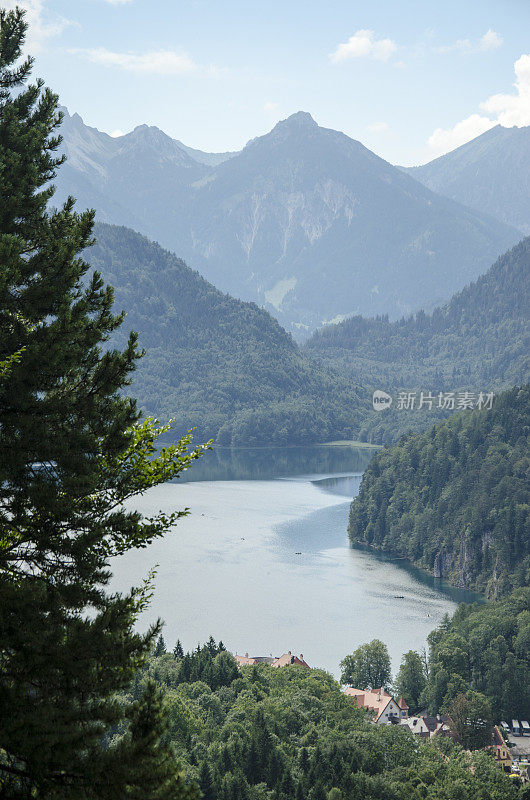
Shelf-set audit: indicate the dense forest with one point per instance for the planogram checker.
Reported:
(485, 648)
(480, 340)
(218, 364)
(454, 500)
(261, 733)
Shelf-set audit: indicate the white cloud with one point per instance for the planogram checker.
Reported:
(513, 109)
(504, 109)
(363, 44)
(442, 141)
(269, 106)
(117, 2)
(41, 26)
(117, 133)
(159, 62)
(490, 41)
(377, 127)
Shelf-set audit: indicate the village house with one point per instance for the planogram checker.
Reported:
(385, 709)
(281, 661)
(500, 749)
(426, 726)
(289, 658)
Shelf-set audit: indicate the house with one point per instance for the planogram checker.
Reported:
(500, 749)
(426, 726)
(244, 661)
(418, 727)
(404, 707)
(289, 658)
(281, 661)
(386, 710)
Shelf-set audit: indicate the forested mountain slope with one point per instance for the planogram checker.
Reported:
(305, 221)
(481, 335)
(491, 174)
(219, 364)
(455, 499)
(479, 341)
(484, 647)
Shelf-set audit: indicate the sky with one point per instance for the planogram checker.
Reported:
(411, 80)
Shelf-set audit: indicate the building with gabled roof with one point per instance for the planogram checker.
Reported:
(500, 749)
(404, 707)
(288, 658)
(379, 701)
(280, 661)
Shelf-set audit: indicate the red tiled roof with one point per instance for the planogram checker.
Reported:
(402, 704)
(376, 700)
(289, 658)
(243, 661)
(282, 661)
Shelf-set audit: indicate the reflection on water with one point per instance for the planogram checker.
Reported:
(263, 463)
(342, 485)
(265, 564)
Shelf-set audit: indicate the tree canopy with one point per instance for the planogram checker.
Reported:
(367, 666)
(454, 500)
(73, 452)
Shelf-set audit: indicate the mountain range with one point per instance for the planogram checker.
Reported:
(490, 174)
(304, 221)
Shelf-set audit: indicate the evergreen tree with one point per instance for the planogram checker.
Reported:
(206, 784)
(178, 650)
(160, 647)
(72, 451)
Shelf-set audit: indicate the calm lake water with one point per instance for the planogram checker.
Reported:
(263, 561)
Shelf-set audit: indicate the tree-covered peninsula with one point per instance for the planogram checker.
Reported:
(454, 500)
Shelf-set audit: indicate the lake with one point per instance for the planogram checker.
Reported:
(263, 561)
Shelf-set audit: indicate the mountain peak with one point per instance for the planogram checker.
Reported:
(299, 120)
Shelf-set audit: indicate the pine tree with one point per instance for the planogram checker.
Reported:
(206, 784)
(178, 650)
(160, 647)
(72, 451)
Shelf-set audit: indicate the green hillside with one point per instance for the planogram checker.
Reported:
(454, 500)
(212, 362)
(479, 341)
(484, 648)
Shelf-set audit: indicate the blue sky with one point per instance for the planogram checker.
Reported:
(411, 80)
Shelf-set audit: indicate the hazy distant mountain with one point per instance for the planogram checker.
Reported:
(212, 159)
(490, 173)
(135, 179)
(304, 220)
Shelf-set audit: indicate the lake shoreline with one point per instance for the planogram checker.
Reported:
(264, 562)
